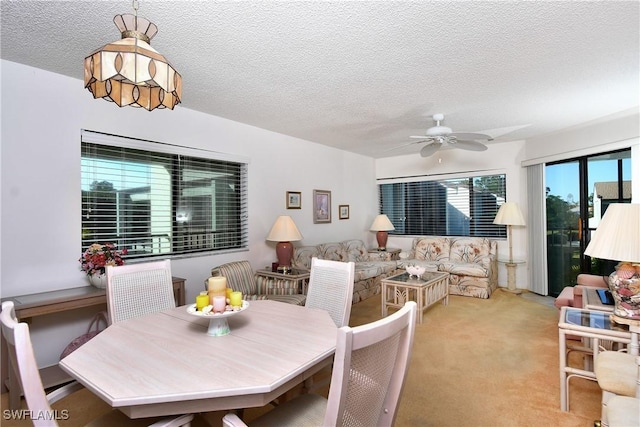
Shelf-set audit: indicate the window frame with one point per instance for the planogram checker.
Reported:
(430, 183)
(175, 154)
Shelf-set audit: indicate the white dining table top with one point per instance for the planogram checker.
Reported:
(165, 363)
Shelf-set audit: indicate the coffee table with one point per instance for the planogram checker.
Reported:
(426, 290)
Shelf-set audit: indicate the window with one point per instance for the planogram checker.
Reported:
(450, 207)
(157, 199)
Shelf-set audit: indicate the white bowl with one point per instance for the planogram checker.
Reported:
(415, 270)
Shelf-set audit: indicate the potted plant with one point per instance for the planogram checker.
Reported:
(95, 260)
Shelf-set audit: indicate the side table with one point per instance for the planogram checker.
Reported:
(387, 254)
(593, 326)
(591, 300)
(295, 280)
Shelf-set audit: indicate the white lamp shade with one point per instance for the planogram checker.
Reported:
(382, 223)
(617, 237)
(509, 214)
(284, 230)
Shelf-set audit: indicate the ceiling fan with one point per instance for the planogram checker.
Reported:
(438, 135)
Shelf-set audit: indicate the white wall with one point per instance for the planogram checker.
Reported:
(42, 115)
(497, 159)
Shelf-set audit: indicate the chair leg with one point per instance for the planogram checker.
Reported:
(604, 420)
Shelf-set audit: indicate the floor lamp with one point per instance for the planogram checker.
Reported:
(509, 214)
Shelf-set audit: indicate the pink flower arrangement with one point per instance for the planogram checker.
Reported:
(98, 256)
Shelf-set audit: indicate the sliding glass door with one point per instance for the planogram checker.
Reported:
(578, 192)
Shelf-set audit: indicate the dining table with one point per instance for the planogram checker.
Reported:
(165, 363)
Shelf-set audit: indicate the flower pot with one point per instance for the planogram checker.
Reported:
(98, 280)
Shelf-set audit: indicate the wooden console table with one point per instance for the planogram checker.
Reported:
(33, 305)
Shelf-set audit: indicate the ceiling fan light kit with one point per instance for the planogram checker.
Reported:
(438, 135)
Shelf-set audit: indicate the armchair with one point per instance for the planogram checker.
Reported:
(241, 277)
(571, 296)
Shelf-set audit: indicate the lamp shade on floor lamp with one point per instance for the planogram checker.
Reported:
(284, 231)
(382, 224)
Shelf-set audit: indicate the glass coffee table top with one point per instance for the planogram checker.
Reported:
(425, 277)
(592, 319)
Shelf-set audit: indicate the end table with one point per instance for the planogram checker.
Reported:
(387, 254)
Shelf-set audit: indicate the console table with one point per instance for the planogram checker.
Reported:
(33, 305)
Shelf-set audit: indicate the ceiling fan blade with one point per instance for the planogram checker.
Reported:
(425, 137)
(469, 145)
(428, 150)
(401, 146)
(465, 135)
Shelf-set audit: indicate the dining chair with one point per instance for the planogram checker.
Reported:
(241, 277)
(618, 375)
(23, 362)
(134, 290)
(331, 288)
(624, 411)
(370, 366)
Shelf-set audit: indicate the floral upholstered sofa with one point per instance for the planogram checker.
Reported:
(370, 269)
(470, 261)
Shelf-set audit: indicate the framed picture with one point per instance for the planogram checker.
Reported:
(321, 206)
(294, 200)
(343, 211)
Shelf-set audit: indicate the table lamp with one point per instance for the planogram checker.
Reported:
(617, 238)
(284, 231)
(382, 224)
(509, 214)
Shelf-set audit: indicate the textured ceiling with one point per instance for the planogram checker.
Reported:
(364, 75)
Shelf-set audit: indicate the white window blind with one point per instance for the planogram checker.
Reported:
(157, 199)
(462, 206)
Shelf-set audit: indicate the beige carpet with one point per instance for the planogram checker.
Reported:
(475, 363)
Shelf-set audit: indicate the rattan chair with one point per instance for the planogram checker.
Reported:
(618, 375)
(134, 290)
(331, 289)
(23, 362)
(370, 367)
(241, 277)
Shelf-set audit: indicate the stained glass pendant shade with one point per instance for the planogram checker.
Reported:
(130, 72)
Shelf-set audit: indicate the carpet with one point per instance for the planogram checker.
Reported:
(490, 362)
(475, 363)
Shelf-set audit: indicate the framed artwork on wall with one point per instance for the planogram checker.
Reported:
(343, 211)
(294, 200)
(321, 206)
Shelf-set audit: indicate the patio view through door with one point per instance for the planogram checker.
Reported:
(578, 192)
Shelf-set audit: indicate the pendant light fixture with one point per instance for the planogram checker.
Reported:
(129, 71)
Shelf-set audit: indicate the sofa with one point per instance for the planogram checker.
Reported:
(470, 261)
(370, 268)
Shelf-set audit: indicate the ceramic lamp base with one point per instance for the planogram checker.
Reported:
(284, 252)
(381, 237)
(626, 295)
